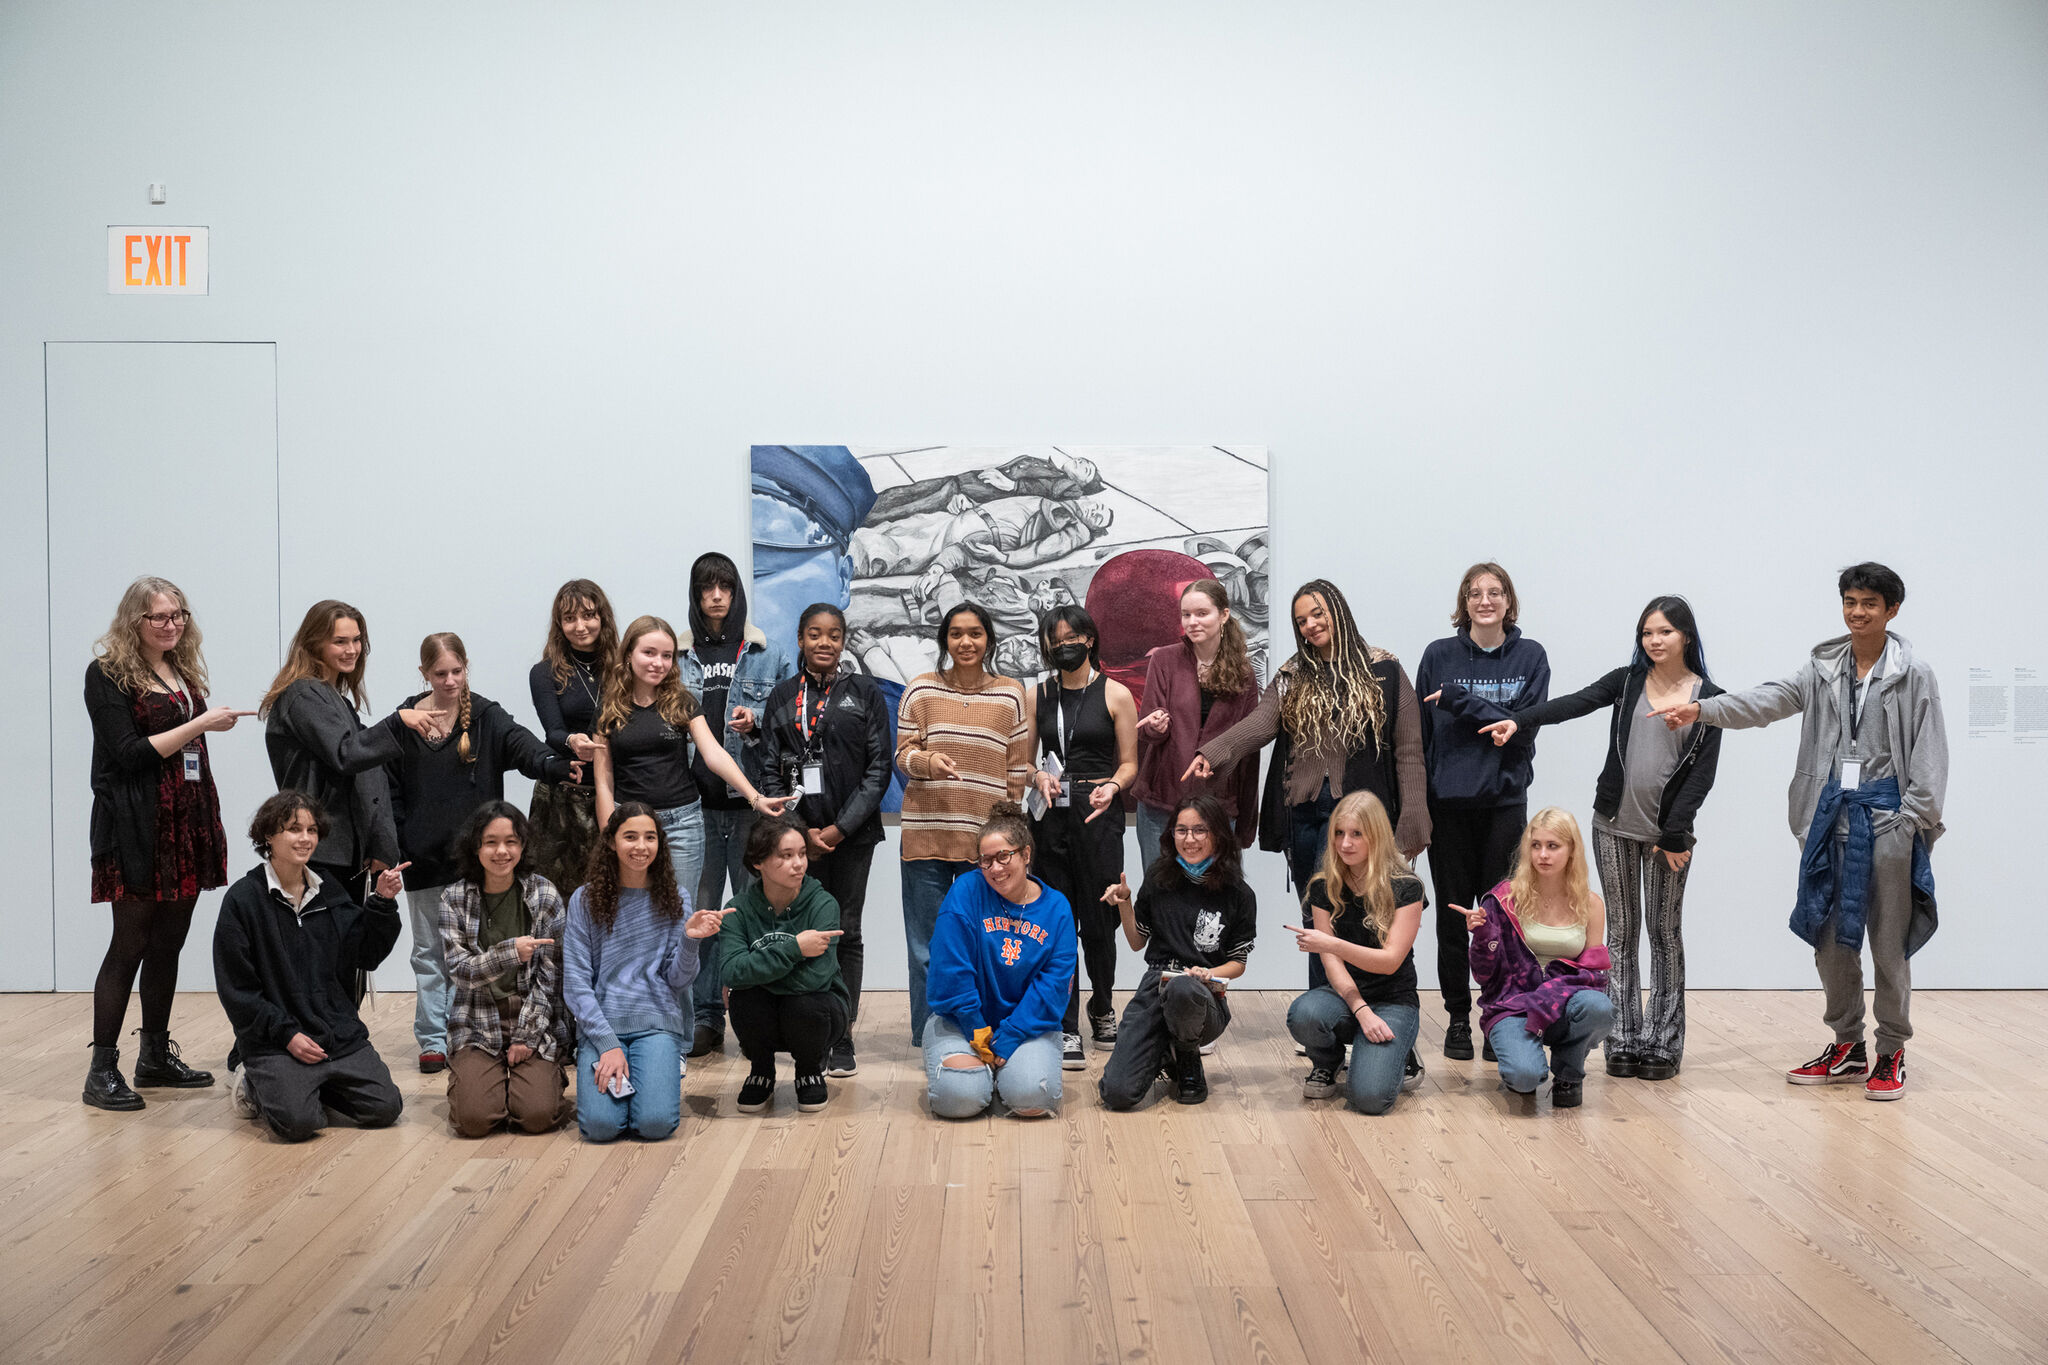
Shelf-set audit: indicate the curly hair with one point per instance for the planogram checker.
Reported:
(579, 594)
(1227, 870)
(1336, 697)
(1007, 818)
(120, 649)
(671, 698)
(277, 811)
(600, 889)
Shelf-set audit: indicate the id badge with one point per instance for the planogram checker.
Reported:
(1066, 796)
(814, 779)
(1852, 774)
(191, 765)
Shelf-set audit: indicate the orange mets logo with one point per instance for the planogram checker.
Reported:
(1012, 950)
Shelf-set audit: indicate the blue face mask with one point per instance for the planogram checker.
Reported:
(1195, 871)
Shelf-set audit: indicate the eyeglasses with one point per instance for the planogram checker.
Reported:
(168, 618)
(1001, 858)
(1189, 831)
(1486, 595)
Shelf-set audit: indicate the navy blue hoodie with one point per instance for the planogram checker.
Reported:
(1480, 686)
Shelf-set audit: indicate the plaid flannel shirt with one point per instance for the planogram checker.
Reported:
(472, 1010)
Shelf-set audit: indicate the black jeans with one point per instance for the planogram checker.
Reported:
(294, 1096)
(1081, 859)
(844, 874)
(804, 1026)
(1470, 851)
(1308, 829)
(1184, 1014)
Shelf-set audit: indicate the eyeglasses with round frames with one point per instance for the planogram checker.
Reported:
(989, 862)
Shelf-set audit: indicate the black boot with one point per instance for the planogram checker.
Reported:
(1192, 1085)
(104, 1088)
(157, 1063)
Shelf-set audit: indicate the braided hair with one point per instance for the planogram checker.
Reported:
(431, 649)
(1336, 697)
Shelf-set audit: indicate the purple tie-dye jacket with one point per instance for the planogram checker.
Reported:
(1509, 980)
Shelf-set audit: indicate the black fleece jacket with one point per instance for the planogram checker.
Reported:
(433, 791)
(1690, 781)
(855, 747)
(280, 973)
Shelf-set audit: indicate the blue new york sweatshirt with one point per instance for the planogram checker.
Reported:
(994, 964)
(1480, 686)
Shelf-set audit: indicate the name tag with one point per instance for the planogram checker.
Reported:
(1852, 774)
(1066, 796)
(191, 765)
(814, 779)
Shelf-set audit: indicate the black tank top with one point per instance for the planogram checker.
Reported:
(1090, 749)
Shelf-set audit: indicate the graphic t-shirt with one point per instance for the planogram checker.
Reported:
(719, 659)
(1189, 925)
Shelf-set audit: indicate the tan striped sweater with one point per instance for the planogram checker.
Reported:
(984, 733)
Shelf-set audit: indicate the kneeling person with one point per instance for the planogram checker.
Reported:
(286, 950)
(778, 950)
(1194, 920)
(501, 930)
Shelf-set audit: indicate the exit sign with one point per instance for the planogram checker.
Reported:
(156, 260)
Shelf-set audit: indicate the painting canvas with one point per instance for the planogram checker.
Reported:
(896, 536)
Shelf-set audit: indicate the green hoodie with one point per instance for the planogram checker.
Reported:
(757, 947)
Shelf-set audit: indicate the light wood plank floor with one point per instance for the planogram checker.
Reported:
(1723, 1216)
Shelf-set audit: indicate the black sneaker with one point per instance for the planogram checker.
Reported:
(1458, 1040)
(1567, 1094)
(1486, 1050)
(1071, 1056)
(811, 1094)
(1103, 1026)
(1319, 1084)
(1193, 1085)
(840, 1062)
(706, 1039)
(756, 1094)
(1411, 1072)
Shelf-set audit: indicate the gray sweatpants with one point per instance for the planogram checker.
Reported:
(1888, 913)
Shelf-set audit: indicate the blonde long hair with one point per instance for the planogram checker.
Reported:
(1338, 697)
(431, 649)
(1383, 862)
(670, 698)
(120, 649)
(1522, 884)
(303, 659)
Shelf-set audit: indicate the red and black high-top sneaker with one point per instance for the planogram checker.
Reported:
(1888, 1078)
(1841, 1062)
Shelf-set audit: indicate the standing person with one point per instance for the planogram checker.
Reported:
(500, 931)
(319, 745)
(825, 737)
(784, 990)
(628, 955)
(1002, 966)
(729, 667)
(436, 784)
(1643, 809)
(1541, 966)
(1346, 719)
(644, 732)
(157, 840)
(1478, 791)
(963, 742)
(1366, 906)
(1089, 721)
(286, 945)
(1194, 919)
(1195, 690)
(568, 690)
(1866, 807)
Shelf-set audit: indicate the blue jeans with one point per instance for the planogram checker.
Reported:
(654, 1064)
(1152, 827)
(429, 971)
(925, 884)
(1308, 828)
(1028, 1079)
(725, 845)
(1587, 1017)
(1322, 1023)
(683, 827)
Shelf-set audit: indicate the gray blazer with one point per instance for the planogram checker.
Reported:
(320, 746)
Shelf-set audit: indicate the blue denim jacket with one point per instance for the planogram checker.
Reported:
(1820, 880)
(760, 666)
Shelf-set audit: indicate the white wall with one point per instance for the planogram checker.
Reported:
(1709, 298)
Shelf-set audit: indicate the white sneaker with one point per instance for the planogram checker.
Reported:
(245, 1103)
(1208, 1049)
(1071, 1056)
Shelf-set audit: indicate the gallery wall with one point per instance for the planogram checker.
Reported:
(1709, 299)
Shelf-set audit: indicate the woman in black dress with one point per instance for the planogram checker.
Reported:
(157, 840)
(568, 688)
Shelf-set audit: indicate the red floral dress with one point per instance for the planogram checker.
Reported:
(191, 846)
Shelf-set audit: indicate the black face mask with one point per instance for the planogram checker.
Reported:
(1069, 656)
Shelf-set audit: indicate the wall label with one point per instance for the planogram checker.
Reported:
(156, 260)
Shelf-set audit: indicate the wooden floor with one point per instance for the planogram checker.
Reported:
(1723, 1216)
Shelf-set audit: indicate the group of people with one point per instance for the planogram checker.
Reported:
(707, 804)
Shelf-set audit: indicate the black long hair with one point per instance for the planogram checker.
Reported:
(988, 626)
(469, 840)
(713, 569)
(1678, 612)
(1227, 870)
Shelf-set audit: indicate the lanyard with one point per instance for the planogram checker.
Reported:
(1059, 711)
(803, 711)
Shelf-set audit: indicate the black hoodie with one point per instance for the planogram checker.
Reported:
(1479, 686)
(280, 973)
(718, 654)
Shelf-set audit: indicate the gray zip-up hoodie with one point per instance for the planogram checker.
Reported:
(1911, 706)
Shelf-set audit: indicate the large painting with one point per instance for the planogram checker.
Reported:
(895, 537)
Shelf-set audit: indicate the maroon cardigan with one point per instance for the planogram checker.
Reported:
(1170, 683)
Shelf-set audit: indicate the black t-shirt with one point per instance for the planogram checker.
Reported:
(1190, 925)
(719, 659)
(1355, 926)
(651, 761)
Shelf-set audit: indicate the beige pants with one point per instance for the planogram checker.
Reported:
(484, 1093)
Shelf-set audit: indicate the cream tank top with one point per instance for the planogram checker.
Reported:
(1552, 941)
